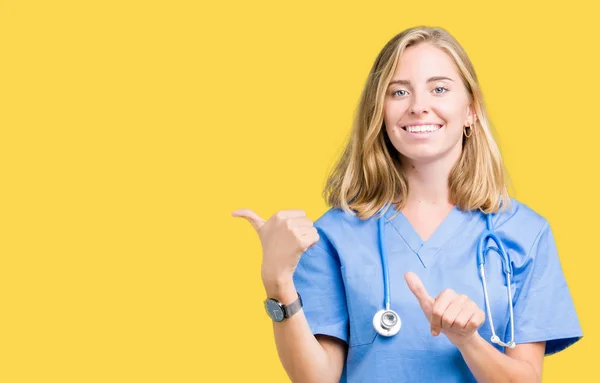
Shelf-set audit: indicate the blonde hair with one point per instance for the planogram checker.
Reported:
(368, 176)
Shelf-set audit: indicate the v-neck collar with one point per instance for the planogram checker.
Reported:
(426, 250)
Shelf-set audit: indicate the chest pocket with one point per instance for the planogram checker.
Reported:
(364, 297)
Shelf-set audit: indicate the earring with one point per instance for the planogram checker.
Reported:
(470, 131)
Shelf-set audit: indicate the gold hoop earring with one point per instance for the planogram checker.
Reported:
(470, 131)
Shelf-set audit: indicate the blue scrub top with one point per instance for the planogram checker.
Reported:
(340, 280)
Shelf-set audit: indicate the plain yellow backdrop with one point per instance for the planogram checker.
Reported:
(130, 130)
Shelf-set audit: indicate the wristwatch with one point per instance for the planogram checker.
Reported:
(278, 312)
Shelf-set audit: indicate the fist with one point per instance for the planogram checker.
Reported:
(454, 315)
(284, 237)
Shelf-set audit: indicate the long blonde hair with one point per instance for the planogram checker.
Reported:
(368, 176)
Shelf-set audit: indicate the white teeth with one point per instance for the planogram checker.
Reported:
(422, 128)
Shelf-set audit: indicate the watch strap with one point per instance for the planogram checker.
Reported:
(293, 307)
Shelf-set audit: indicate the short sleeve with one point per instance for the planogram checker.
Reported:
(543, 308)
(318, 280)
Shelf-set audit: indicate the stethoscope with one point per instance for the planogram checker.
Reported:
(387, 322)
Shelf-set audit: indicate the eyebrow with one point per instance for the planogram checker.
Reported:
(406, 82)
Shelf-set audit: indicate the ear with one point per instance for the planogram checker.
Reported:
(471, 116)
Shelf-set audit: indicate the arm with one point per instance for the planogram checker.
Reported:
(305, 358)
(520, 364)
(285, 237)
(458, 318)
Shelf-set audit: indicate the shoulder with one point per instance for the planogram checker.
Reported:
(337, 228)
(520, 215)
(522, 225)
(335, 220)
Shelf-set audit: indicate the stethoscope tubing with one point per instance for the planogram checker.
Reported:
(378, 322)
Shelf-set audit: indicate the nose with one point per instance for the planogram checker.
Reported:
(419, 104)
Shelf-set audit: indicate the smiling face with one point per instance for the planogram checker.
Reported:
(426, 106)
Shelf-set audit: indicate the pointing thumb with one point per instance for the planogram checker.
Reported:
(251, 216)
(418, 289)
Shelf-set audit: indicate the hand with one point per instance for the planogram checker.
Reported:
(456, 316)
(284, 237)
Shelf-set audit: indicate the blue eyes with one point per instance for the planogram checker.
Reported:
(436, 90)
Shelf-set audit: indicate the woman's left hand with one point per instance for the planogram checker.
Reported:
(452, 314)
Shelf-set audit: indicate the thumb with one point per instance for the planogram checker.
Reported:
(251, 216)
(418, 289)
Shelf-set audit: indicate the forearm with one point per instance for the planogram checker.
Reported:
(489, 365)
(301, 355)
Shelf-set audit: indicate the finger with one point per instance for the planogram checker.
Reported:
(462, 321)
(290, 214)
(300, 222)
(476, 320)
(301, 227)
(304, 230)
(450, 315)
(251, 216)
(301, 230)
(439, 308)
(418, 289)
(309, 239)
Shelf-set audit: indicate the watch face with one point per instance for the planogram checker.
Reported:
(274, 310)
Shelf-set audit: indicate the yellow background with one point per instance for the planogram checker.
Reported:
(130, 130)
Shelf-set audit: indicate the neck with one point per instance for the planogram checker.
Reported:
(428, 183)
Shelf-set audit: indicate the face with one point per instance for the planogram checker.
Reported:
(426, 106)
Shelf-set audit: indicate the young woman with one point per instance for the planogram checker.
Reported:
(387, 285)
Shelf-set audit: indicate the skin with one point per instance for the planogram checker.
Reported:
(427, 163)
(422, 98)
(427, 87)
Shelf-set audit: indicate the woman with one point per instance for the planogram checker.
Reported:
(419, 180)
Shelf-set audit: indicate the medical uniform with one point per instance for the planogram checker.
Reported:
(340, 280)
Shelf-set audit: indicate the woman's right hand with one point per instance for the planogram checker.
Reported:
(284, 237)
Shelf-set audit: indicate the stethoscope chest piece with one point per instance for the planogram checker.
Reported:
(387, 322)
